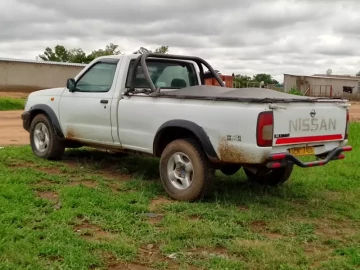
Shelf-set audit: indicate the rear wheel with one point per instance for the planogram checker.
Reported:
(186, 174)
(274, 177)
(43, 139)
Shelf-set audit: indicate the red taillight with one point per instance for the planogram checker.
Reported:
(265, 127)
(347, 125)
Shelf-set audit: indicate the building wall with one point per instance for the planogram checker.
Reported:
(289, 82)
(320, 86)
(29, 77)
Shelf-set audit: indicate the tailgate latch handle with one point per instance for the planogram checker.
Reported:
(276, 106)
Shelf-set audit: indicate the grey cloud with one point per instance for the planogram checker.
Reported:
(135, 10)
(337, 51)
(236, 36)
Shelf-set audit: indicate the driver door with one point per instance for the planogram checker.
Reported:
(85, 114)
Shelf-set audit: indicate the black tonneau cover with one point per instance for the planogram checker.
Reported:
(210, 92)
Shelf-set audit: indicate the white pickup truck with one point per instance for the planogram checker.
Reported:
(158, 104)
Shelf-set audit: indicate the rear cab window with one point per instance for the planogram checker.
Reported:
(168, 74)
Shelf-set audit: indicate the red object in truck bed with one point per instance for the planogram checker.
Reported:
(226, 78)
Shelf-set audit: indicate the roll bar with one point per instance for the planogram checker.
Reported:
(142, 60)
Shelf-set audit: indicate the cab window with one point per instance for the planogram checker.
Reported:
(165, 74)
(99, 78)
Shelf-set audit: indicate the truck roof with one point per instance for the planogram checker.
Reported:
(130, 56)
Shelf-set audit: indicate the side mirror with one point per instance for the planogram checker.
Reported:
(71, 85)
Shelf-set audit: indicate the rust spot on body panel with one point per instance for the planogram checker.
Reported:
(73, 136)
(70, 134)
(231, 153)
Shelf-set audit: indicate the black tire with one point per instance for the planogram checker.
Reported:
(273, 177)
(202, 174)
(55, 148)
(230, 169)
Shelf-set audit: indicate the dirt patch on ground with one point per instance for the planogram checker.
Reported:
(112, 263)
(12, 132)
(315, 249)
(128, 266)
(48, 195)
(243, 208)
(260, 227)
(19, 164)
(43, 183)
(330, 232)
(195, 217)
(86, 183)
(49, 170)
(106, 170)
(150, 254)
(92, 232)
(317, 254)
(157, 203)
(115, 187)
(14, 94)
(154, 218)
(355, 111)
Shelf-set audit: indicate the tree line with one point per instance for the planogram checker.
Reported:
(77, 55)
(244, 80)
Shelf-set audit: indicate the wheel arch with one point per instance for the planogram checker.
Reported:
(49, 112)
(176, 129)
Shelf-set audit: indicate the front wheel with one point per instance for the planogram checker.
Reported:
(274, 177)
(185, 172)
(43, 139)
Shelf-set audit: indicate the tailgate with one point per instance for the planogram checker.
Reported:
(303, 123)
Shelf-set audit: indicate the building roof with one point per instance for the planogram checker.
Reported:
(2, 59)
(333, 77)
(337, 76)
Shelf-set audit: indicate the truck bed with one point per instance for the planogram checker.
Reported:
(256, 95)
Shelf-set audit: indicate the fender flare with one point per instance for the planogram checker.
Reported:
(43, 108)
(197, 130)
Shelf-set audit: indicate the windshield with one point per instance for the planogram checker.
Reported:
(165, 74)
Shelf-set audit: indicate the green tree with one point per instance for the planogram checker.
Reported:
(59, 54)
(241, 80)
(266, 78)
(77, 55)
(161, 49)
(358, 74)
(110, 49)
(142, 50)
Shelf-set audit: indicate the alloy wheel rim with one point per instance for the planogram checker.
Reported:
(41, 137)
(180, 171)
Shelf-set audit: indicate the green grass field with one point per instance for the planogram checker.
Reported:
(9, 104)
(95, 210)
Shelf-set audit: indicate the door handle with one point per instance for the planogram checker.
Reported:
(104, 101)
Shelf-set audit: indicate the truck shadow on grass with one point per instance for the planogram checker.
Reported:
(230, 189)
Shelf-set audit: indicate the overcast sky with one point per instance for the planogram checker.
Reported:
(240, 36)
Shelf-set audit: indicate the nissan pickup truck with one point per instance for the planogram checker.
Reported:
(159, 105)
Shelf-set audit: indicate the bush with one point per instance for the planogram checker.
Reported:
(8, 104)
(295, 91)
